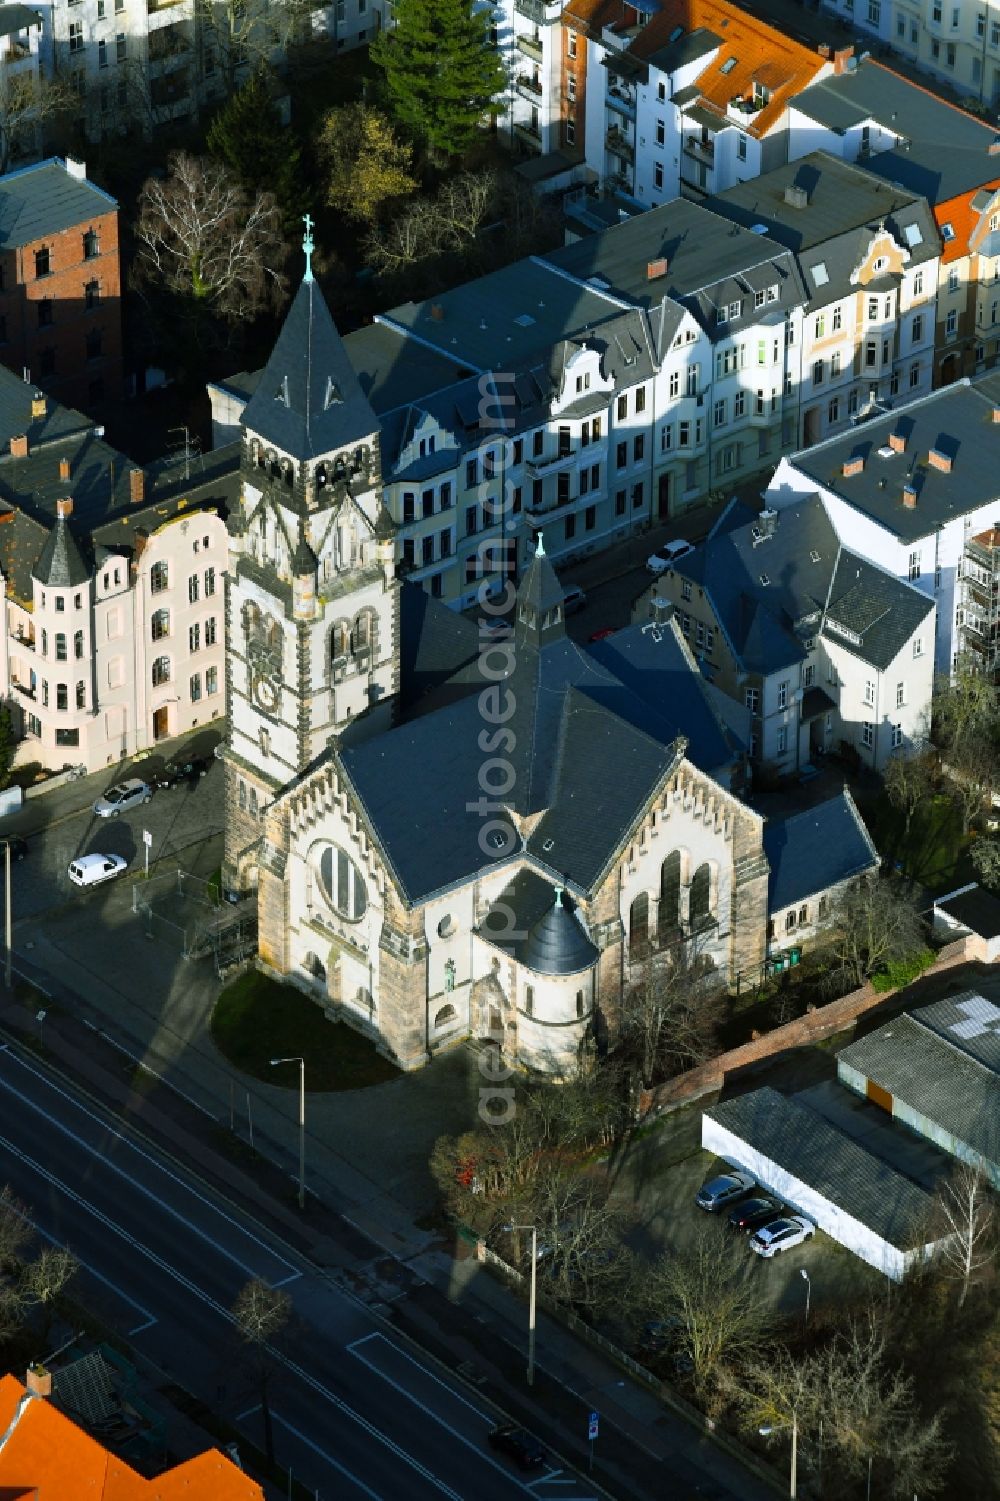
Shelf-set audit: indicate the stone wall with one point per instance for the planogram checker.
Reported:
(825, 1021)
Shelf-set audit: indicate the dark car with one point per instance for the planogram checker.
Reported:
(754, 1212)
(182, 770)
(18, 846)
(526, 1452)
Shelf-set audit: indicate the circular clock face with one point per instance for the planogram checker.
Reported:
(265, 691)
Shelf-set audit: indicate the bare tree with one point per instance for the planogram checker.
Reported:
(236, 37)
(201, 236)
(15, 1230)
(28, 104)
(909, 781)
(965, 1225)
(966, 724)
(710, 1289)
(584, 1261)
(43, 1280)
(451, 222)
(260, 1314)
(671, 1017)
(876, 923)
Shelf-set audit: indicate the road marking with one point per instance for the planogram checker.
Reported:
(486, 1417)
(484, 1456)
(118, 1291)
(241, 1417)
(225, 1313)
(334, 1463)
(292, 1277)
(139, 1328)
(135, 1183)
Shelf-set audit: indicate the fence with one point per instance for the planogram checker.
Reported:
(179, 908)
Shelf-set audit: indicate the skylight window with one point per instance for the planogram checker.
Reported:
(764, 580)
(677, 31)
(728, 65)
(814, 556)
(524, 320)
(820, 274)
(913, 235)
(947, 233)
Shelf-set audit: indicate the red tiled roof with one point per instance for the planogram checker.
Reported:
(48, 1458)
(963, 218)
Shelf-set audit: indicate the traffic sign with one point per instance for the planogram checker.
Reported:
(592, 1426)
(147, 838)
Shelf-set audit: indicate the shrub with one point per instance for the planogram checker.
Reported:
(901, 971)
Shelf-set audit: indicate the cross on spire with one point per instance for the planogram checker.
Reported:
(308, 245)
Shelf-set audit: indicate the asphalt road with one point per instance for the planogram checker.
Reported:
(356, 1413)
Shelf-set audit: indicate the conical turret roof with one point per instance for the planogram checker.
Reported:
(60, 564)
(308, 401)
(557, 944)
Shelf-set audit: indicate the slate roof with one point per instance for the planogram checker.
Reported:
(710, 262)
(537, 924)
(934, 1078)
(46, 199)
(308, 401)
(434, 642)
(974, 908)
(61, 563)
(840, 1169)
(957, 418)
(14, 18)
(812, 851)
(846, 205)
(21, 541)
(948, 148)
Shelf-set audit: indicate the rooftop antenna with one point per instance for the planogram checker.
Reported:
(191, 446)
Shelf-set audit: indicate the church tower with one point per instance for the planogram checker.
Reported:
(312, 610)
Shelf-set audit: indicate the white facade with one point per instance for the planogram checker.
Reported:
(352, 23)
(531, 42)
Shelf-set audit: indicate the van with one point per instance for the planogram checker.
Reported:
(92, 870)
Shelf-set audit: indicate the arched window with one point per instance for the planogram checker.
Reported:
(444, 1016)
(340, 639)
(159, 625)
(638, 927)
(701, 895)
(251, 618)
(320, 476)
(78, 645)
(579, 1004)
(273, 635)
(161, 671)
(288, 473)
(361, 633)
(668, 919)
(343, 883)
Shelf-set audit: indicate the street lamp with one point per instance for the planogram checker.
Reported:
(302, 1123)
(805, 1274)
(768, 1428)
(531, 1297)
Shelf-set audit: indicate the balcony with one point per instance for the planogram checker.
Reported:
(529, 88)
(529, 133)
(618, 38)
(551, 463)
(17, 52)
(23, 688)
(619, 143)
(530, 45)
(701, 150)
(743, 110)
(538, 11)
(622, 99)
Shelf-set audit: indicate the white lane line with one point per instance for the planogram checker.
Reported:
(135, 1183)
(140, 1063)
(458, 1396)
(118, 1291)
(334, 1463)
(241, 1417)
(225, 1313)
(292, 1277)
(483, 1455)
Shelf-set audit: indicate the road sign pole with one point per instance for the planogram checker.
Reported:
(147, 840)
(593, 1424)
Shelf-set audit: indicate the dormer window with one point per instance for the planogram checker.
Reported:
(761, 94)
(947, 232)
(735, 308)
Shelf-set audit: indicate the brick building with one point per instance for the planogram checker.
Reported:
(60, 283)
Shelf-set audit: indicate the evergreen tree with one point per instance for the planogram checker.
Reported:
(443, 72)
(248, 136)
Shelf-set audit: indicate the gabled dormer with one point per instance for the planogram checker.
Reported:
(579, 377)
(881, 255)
(423, 438)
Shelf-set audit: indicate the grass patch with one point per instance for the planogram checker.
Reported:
(257, 1019)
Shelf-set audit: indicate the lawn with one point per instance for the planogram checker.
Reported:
(933, 851)
(257, 1019)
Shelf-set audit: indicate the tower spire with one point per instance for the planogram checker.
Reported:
(539, 547)
(308, 245)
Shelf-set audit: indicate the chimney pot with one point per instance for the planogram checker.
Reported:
(64, 468)
(938, 460)
(897, 442)
(137, 485)
(39, 1381)
(64, 507)
(910, 497)
(841, 58)
(796, 196)
(39, 405)
(19, 446)
(853, 466)
(656, 269)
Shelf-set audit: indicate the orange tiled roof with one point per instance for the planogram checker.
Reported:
(46, 1456)
(592, 15)
(959, 213)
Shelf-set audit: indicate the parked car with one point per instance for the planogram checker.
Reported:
(664, 557)
(92, 870)
(181, 770)
(725, 1189)
(573, 600)
(518, 1444)
(754, 1212)
(18, 846)
(122, 797)
(782, 1234)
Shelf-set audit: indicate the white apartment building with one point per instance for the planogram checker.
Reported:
(352, 23)
(908, 490)
(25, 58)
(532, 43)
(954, 40)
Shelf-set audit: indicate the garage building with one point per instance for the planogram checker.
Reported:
(852, 1195)
(937, 1069)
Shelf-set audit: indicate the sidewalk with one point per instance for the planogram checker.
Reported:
(449, 1304)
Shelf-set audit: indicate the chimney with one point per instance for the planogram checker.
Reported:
(841, 58)
(38, 1381)
(853, 466)
(64, 508)
(137, 486)
(64, 468)
(825, 50)
(437, 312)
(910, 497)
(796, 197)
(39, 405)
(996, 414)
(656, 269)
(897, 442)
(19, 446)
(938, 460)
(993, 149)
(76, 168)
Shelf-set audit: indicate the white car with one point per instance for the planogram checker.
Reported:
(121, 797)
(92, 870)
(666, 556)
(781, 1234)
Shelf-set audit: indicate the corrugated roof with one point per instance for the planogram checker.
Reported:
(967, 1021)
(812, 851)
(809, 1147)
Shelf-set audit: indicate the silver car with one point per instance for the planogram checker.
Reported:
(122, 797)
(718, 1192)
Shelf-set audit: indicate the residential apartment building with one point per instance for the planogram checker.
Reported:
(826, 651)
(26, 58)
(978, 612)
(955, 41)
(60, 283)
(684, 98)
(868, 254)
(113, 633)
(967, 340)
(353, 23)
(534, 48)
(908, 490)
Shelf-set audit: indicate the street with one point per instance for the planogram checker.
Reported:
(356, 1413)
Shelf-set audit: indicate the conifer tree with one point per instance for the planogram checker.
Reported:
(443, 72)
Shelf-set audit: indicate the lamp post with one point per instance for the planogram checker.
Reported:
(531, 1297)
(768, 1428)
(302, 1123)
(805, 1274)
